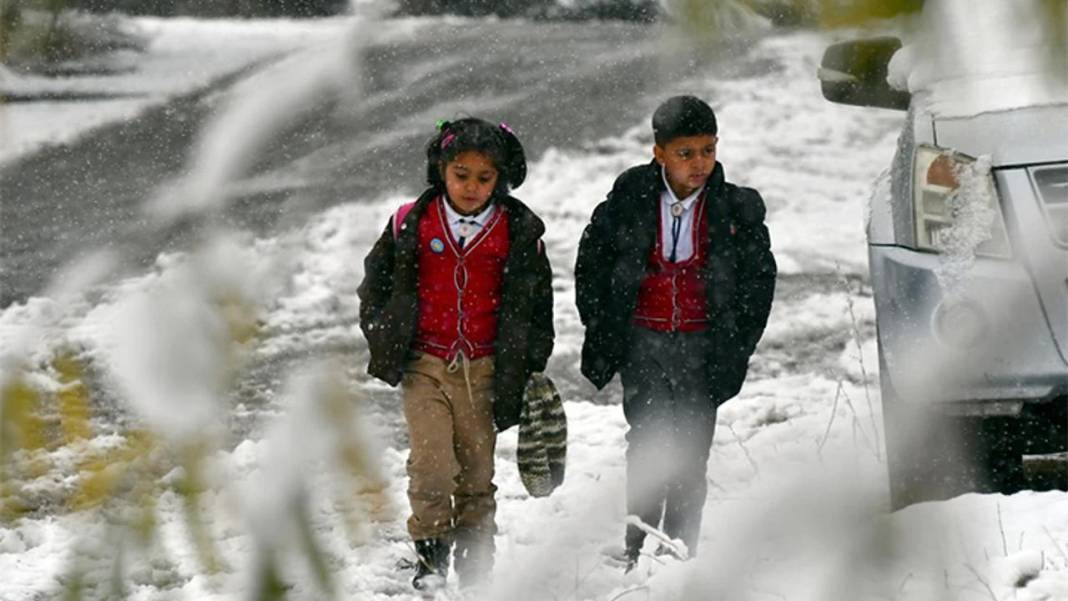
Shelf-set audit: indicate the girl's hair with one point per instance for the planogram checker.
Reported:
(498, 142)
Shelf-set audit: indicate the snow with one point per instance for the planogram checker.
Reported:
(797, 499)
(169, 343)
(975, 210)
(965, 62)
(182, 55)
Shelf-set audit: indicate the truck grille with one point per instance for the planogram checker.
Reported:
(1052, 185)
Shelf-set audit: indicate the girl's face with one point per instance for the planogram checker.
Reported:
(470, 179)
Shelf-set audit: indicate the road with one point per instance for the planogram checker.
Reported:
(569, 82)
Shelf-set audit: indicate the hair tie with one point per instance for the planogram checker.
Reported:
(507, 128)
(441, 124)
(448, 139)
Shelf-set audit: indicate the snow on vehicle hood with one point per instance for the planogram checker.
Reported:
(1015, 137)
(970, 58)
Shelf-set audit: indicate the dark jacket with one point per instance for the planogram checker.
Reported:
(389, 305)
(612, 260)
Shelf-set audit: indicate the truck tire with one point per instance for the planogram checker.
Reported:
(932, 456)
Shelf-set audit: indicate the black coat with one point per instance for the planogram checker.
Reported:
(389, 305)
(614, 254)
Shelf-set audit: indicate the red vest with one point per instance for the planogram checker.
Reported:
(672, 296)
(459, 290)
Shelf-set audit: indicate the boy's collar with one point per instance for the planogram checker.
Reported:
(712, 185)
(673, 198)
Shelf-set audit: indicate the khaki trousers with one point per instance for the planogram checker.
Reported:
(452, 440)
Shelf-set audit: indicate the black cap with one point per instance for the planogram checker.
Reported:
(682, 116)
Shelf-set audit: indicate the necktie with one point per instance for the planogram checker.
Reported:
(676, 228)
(467, 227)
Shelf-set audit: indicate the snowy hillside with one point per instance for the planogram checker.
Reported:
(797, 497)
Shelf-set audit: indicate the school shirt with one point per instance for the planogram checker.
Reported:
(684, 248)
(471, 223)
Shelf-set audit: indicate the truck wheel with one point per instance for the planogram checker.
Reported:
(932, 456)
(1001, 455)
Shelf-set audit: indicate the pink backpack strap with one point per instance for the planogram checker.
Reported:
(398, 218)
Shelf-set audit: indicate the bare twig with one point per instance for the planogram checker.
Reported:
(968, 562)
(1001, 527)
(577, 581)
(676, 546)
(901, 587)
(860, 361)
(635, 589)
(580, 581)
(983, 582)
(830, 422)
(1056, 544)
(738, 439)
(716, 485)
(857, 426)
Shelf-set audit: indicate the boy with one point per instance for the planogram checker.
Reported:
(674, 282)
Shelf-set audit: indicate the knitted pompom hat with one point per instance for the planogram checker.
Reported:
(542, 451)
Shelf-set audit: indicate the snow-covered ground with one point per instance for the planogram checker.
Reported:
(797, 497)
(181, 55)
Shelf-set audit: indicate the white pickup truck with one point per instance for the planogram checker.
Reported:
(968, 244)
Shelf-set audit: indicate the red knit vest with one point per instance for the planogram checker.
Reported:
(459, 290)
(672, 296)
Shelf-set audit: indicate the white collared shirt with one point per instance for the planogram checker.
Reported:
(456, 227)
(684, 248)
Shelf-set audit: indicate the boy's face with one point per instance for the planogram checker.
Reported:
(688, 162)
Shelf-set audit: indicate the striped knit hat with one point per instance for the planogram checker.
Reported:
(542, 437)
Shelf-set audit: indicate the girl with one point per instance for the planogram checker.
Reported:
(456, 305)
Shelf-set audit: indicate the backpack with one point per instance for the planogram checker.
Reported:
(398, 217)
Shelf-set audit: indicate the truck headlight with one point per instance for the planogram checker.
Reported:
(956, 208)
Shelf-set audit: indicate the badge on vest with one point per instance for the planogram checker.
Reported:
(437, 245)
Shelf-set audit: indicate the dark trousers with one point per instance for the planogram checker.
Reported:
(672, 420)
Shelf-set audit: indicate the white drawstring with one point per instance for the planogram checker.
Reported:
(460, 359)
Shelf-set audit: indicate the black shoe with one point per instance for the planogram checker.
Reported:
(630, 558)
(433, 563)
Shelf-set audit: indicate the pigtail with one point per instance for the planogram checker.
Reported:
(434, 150)
(515, 159)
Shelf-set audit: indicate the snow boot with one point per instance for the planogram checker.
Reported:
(433, 563)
